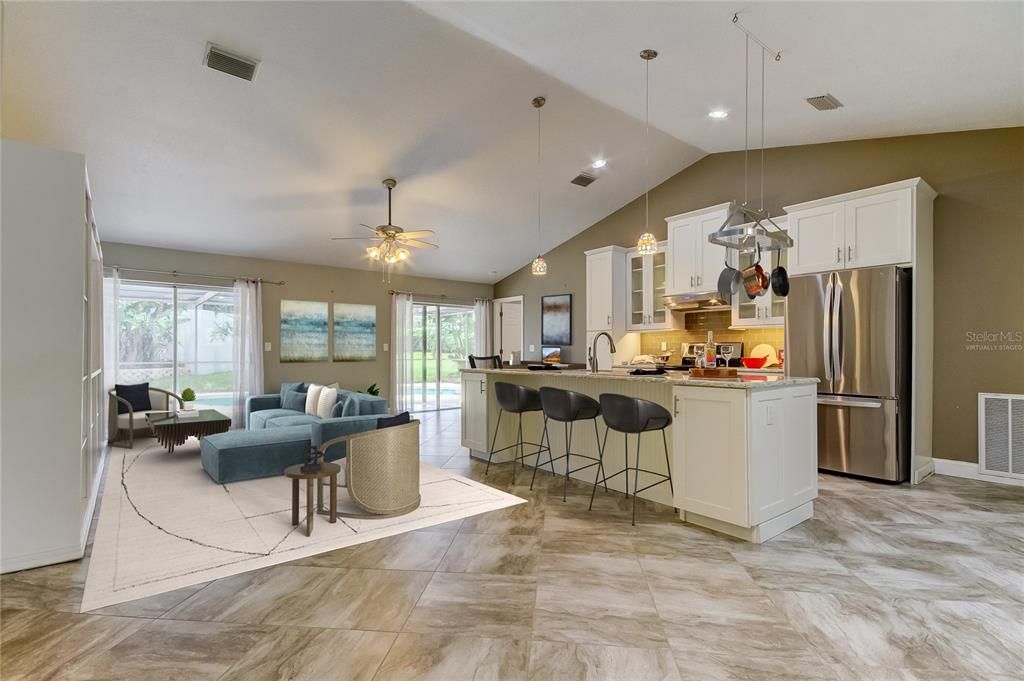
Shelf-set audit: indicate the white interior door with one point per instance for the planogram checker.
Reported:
(508, 334)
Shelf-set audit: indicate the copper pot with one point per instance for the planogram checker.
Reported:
(755, 280)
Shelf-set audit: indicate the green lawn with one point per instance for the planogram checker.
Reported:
(217, 382)
(449, 367)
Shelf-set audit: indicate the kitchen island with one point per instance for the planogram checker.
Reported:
(743, 450)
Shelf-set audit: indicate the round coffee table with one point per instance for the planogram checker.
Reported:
(327, 470)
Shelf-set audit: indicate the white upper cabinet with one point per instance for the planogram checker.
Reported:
(606, 288)
(878, 229)
(694, 263)
(818, 239)
(860, 229)
(647, 279)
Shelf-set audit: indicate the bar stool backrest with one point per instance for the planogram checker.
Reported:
(516, 398)
(481, 362)
(633, 415)
(568, 405)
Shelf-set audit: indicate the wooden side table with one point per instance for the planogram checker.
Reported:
(327, 470)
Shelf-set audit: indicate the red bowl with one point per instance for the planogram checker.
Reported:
(753, 362)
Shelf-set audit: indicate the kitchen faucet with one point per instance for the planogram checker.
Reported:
(593, 349)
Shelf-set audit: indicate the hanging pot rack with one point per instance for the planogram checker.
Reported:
(758, 231)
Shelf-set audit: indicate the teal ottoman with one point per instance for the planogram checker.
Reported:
(250, 454)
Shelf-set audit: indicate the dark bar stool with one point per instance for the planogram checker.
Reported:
(627, 415)
(568, 407)
(515, 399)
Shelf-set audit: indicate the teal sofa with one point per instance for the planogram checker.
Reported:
(276, 438)
(269, 411)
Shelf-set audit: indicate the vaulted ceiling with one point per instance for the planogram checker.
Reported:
(438, 96)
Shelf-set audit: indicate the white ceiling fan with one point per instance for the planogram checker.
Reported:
(393, 239)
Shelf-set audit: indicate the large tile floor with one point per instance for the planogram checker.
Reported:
(884, 584)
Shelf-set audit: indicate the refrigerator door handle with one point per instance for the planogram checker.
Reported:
(837, 328)
(826, 339)
(850, 402)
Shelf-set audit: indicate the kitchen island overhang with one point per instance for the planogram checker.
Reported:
(743, 451)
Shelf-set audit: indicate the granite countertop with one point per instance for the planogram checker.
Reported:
(747, 382)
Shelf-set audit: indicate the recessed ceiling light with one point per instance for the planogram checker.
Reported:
(599, 163)
(718, 114)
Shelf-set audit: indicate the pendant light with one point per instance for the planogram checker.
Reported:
(647, 244)
(539, 266)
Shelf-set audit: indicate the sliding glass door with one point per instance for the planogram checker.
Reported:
(442, 341)
(177, 337)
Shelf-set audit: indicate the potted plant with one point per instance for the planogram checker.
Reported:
(188, 396)
(373, 390)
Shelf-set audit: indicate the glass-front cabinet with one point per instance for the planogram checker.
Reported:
(647, 278)
(766, 310)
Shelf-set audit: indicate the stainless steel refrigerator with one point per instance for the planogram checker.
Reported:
(851, 330)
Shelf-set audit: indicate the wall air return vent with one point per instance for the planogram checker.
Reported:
(219, 59)
(583, 179)
(825, 102)
(1001, 434)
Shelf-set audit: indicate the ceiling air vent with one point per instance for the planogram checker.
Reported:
(583, 179)
(825, 102)
(231, 64)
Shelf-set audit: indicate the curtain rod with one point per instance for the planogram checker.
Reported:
(176, 273)
(428, 296)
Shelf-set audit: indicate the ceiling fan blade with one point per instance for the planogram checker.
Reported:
(363, 224)
(416, 234)
(416, 243)
(353, 238)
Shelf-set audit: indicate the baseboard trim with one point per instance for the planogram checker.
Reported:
(34, 560)
(966, 469)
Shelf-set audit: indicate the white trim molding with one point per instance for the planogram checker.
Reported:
(970, 470)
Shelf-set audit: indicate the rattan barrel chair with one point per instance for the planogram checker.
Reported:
(129, 422)
(382, 470)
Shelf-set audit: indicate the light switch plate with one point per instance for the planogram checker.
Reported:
(385, 347)
(532, 348)
(266, 347)
(664, 346)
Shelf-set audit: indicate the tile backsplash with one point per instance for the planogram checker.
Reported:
(696, 331)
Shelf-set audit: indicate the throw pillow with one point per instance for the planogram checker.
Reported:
(313, 398)
(324, 405)
(137, 394)
(396, 420)
(294, 400)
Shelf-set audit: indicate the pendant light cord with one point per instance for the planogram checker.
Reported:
(647, 145)
(538, 182)
(746, 120)
(762, 130)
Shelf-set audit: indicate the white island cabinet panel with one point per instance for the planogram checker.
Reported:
(748, 459)
(474, 412)
(711, 452)
(782, 422)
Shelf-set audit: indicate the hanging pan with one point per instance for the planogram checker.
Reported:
(780, 278)
(729, 281)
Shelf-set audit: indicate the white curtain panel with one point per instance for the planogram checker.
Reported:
(483, 343)
(111, 337)
(248, 346)
(401, 351)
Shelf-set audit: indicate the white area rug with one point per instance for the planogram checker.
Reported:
(164, 524)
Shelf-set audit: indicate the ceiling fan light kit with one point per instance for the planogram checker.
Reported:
(393, 239)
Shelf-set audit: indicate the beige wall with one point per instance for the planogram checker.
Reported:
(979, 246)
(302, 282)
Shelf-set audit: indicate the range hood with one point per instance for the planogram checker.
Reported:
(696, 302)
